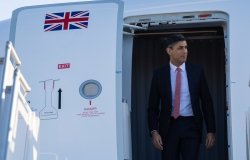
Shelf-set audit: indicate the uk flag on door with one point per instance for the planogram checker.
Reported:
(66, 21)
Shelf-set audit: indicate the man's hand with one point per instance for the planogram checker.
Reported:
(210, 140)
(156, 139)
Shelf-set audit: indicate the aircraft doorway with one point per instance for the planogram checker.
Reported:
(206, 46)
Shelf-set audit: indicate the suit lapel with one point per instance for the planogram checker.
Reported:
(190, 76)
(166, 82)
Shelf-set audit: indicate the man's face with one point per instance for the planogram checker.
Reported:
(178, 53)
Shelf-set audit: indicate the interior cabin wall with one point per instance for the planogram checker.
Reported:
(148, 54)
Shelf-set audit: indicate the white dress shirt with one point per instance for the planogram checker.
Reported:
(185, 101)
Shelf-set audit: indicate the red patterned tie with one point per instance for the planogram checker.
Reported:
(176, 111)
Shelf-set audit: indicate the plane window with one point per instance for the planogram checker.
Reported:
(90, 89)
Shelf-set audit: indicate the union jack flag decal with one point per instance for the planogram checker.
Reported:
(66, 20)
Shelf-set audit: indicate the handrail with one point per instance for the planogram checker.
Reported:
(12, 111)
(17, 61)
(13, 53)
(8, 112)
(10, 54)
(18, 82)
(11, 76)
(24, 84)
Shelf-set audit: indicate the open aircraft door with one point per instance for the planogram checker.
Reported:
(72, 60)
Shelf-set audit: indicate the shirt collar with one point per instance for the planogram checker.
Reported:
(173, 67)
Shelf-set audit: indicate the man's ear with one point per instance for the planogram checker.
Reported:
(168, 50)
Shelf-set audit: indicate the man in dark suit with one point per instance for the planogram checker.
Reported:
(179, 100)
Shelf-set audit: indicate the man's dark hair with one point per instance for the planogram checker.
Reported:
(173, 38)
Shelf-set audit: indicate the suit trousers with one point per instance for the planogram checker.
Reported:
(182, 140)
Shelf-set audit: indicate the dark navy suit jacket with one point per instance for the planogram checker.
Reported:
(160, 99)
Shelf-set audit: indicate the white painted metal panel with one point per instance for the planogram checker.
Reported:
(59, 63)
